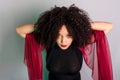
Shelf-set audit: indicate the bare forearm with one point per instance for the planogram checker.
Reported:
(104, 26)
(24, 29)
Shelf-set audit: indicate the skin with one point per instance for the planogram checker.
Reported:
(104, 26)
(97, 25)
(64, 39)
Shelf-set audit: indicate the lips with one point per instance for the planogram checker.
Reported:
(63, 45)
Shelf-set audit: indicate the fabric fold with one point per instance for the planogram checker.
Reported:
(33, 58)
(97, 57)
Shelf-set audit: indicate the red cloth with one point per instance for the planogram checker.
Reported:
(33, 58)
(96, 56)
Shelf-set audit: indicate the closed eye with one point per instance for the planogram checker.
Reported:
(69, 36)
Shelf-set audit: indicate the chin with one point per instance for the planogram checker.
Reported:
(64, 48)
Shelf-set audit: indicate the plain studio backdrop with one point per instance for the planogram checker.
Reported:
(18, 12)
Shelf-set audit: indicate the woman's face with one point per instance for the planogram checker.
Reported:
(64, 39)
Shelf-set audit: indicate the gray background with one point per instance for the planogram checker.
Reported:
(18, 12)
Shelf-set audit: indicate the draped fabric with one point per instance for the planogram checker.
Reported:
(33, 58)
(96, 55)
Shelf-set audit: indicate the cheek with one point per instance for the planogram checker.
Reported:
(58, 40)
(70, 40)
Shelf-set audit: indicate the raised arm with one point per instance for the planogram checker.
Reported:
(105, 26)
(24, 29)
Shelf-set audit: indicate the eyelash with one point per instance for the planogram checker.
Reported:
(69, 35)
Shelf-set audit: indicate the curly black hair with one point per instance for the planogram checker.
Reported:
(50, 22)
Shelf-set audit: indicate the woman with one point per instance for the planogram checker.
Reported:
(64, 33)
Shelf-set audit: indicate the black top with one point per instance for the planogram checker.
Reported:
(64, 64)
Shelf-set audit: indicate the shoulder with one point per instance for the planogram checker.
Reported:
(77, 50)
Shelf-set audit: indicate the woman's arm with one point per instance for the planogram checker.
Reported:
(105, 26)
(24, 29)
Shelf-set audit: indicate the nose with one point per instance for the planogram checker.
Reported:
(63, 40)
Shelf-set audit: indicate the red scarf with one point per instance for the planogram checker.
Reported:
(96, 56)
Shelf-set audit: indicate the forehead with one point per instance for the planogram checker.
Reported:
(63, 30)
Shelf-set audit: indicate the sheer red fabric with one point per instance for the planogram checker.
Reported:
(96, 56)
(33, 58)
